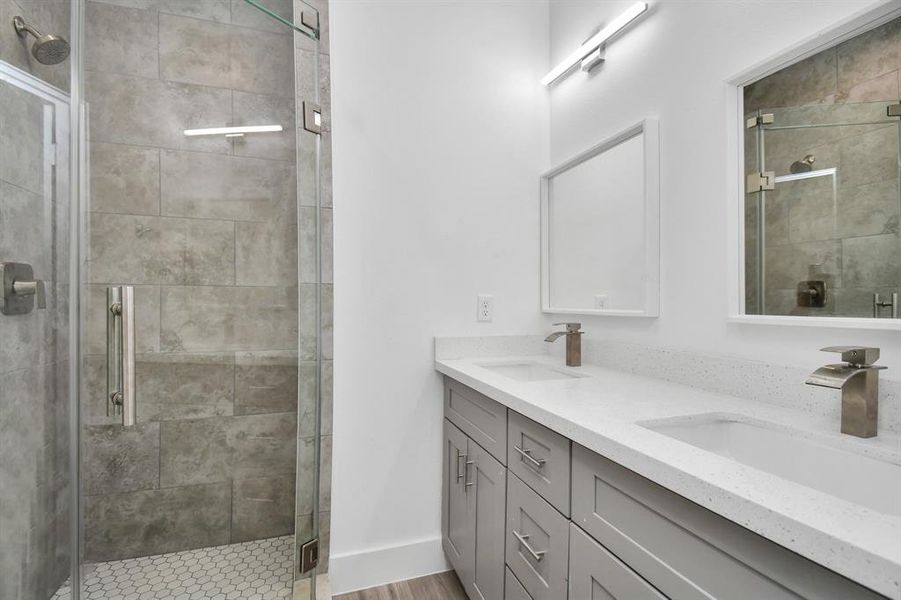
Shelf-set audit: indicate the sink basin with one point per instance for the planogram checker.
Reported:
(826, 465)
(528, 371)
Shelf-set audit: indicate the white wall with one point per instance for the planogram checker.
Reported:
(440, 131)
(673, 65)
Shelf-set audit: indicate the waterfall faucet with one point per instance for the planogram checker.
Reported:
(573, 342)
(858, 379)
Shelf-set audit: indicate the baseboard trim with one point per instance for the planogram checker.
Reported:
(377, 566)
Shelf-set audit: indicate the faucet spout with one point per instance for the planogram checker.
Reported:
(554, 336)
(834, 376)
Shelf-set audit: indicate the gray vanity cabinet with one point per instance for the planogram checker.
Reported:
(596, 574)
(472, 529)
(686, 551)
(570, 524)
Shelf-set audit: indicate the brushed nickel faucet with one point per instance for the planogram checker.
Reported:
(858, 379)
(573, 342)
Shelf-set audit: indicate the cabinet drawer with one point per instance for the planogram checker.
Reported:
(686, 551)
(537, 542)
(595, 573)
(478, 416)
(513, 589)
(541, 458)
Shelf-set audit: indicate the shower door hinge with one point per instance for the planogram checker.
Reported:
(759, 182)
(764, 119)
(310, 20)
(893, 110)
(309, 555)
(312, 117)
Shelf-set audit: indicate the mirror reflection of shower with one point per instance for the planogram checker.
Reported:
(48, 49)
(805, 165)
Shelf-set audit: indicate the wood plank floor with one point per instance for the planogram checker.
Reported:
(441, 586)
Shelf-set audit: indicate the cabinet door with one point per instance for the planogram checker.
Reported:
(595, 574)
(514, 589)
(537, 542)
(486, 479)
(456, 531)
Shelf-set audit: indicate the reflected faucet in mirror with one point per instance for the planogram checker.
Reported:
(573, 342)
(858, 379)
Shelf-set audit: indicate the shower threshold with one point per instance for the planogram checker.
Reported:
(261, 569)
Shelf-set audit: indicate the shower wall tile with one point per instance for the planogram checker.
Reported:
(788, 265)
(125, 179)
(871, 261)
(308, 250)
(262, 508)
(208, 186)
(27, 220)
(858, 302)
(214, 10)
(265, 109)
(327, 331)
(328, 392)
(883, 87)
(870, 157)
(811, 81)
(22, 155)
(307, 321)
(307, 397)
(245, 15)
(228, 319)
(121, 459)
(868, 209)
(150, 112)
(325, 473)
(154, 250)
(147, 319)
(157, 521)
(220, 55)
(266, 253)
(266, 382)
(185, 386)
(869, 55)
(123, 40)
(306, 475)
(327, 245)
(225, 448)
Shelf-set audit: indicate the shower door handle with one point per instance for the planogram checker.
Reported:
(120, 353)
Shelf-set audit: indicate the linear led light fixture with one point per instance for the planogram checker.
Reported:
(595, 41)
(233, 131)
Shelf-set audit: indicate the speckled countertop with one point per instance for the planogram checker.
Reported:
(603, 412)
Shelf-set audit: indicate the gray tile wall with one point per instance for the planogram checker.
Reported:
(847, 236)
(34, 377)
(206, 230)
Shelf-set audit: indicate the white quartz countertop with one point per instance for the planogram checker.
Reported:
(603, 410)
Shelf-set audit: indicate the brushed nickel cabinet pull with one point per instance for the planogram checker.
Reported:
(524, 542)
(526, 456)
(457, 469)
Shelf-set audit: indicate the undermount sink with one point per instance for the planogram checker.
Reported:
(870, 481)
(528, 371)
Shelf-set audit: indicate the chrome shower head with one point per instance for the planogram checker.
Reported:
(805, 165)
(48, 49)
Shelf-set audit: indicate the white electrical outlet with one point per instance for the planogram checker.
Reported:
(600, 300)
(485, 311)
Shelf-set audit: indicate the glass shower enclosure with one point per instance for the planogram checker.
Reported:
(822, 236)
(160, 411)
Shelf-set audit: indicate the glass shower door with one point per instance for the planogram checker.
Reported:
(36, 444)
(203, 209)
(824, 240)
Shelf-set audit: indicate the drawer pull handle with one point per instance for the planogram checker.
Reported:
(526, 456)
(466, 482)
(459, 474)
(523, 541)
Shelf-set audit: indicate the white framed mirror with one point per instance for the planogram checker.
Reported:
(600, 228)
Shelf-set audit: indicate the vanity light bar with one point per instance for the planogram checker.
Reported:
(595, 41)
(233, 131)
